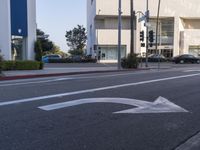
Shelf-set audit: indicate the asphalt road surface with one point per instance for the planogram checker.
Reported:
(145, 110)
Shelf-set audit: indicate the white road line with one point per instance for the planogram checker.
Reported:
(75, 77)
(93, 90)
(191, 144)
(63, 79)
(35, 82)
(191, 71)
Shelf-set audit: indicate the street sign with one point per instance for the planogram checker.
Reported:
(142, 18)
(160, 105)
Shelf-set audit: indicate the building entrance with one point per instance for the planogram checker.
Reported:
(17, 48)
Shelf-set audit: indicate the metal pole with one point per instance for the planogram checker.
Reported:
(1, 59)
(97, 50)
(147, 32)
(119, 35)
(132, 27)
(157, 51)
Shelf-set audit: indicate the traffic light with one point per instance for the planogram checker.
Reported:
(151, 36)
(142, 36)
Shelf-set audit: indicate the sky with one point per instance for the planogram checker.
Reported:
(55, 17)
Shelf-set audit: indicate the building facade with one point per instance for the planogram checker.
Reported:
(17, 29)
(179, 27)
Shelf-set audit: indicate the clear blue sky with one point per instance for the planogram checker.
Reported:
(56, 16)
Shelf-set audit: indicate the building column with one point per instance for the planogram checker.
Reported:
(176, 36)
(5, 29)
(32, 26)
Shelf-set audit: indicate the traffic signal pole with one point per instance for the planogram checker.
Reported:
(132, 31)
(157, 21)
(147, 32)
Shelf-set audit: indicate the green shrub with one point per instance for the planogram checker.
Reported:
(38, 51)
(21, 65)
(8, 65)
(131, 61)
(59, 61)
(41, 65)
(27, 65)
(1, 60)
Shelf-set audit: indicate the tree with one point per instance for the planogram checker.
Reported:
(46, 44)
(76, 39)
(56, 50)
(38, 51)
(1, 61)
(76, 52)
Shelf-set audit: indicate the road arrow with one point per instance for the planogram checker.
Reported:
(161, 105)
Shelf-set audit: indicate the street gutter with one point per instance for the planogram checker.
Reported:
(3, 78)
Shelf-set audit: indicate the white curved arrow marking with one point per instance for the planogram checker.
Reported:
(161, 105)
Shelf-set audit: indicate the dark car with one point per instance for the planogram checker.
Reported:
(186, 59)
(156, 58)
(75, 58)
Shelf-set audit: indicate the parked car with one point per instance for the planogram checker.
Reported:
(75, 58)
(47, 58)
(156, 58)
(186, 58)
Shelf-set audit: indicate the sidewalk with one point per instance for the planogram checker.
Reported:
(59, 70)
(74, 69)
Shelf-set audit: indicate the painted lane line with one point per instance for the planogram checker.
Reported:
(191, 144)
(63, 79)
(160, 105)
(191, 71)
(36, 82)
(93, 90)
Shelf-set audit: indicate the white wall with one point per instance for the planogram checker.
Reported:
(184, 8)
(5, 29)
(30, 40)
(177, 9)
(190, 38)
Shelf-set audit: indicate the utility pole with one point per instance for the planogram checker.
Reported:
(147, 32)
(157, 21)
(132, 27)
(119, 34)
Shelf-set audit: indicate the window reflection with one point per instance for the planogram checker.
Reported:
(17, 48)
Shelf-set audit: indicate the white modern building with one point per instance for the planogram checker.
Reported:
(179, 27)
(17, 29)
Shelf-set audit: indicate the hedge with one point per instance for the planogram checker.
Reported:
(68, 60)
(21, 65)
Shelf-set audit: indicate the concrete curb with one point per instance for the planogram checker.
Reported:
(2, 78)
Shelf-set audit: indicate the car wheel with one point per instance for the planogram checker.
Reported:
(198, 61)
(182, 61)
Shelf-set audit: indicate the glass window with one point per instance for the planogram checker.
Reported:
(111, 52)
(17, 48)
(165, 30)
